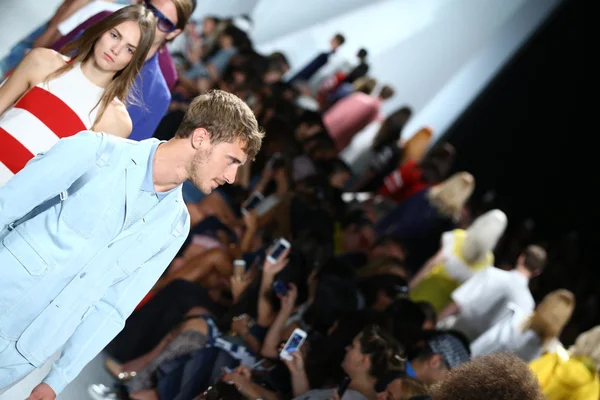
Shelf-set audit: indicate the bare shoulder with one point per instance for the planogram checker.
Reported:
(116, 120)
(42, 62)
(47, 59)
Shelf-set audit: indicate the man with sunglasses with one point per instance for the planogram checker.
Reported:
(158, 73)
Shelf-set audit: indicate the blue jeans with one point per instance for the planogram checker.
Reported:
(17, 53)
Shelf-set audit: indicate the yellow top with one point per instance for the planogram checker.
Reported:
(564, 377)
(437, 286)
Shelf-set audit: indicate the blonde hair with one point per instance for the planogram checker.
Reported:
(364, 84)
(483, 235)
(226, 118)
(450, 196)
(587, 345)
(551, 315)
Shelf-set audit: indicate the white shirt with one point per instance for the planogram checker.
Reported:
(508, 335)
(85, 13)
(483, 300)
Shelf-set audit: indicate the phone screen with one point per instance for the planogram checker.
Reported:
(280, 287)
(293, 344)
(277, 251)
(343, 387)
(275, 161)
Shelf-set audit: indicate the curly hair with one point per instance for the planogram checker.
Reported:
(501, 376)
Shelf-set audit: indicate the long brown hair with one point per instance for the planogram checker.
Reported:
(82, 49)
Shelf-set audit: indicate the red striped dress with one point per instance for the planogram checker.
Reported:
(48, 112)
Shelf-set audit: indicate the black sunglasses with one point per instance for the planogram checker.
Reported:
(164, 24)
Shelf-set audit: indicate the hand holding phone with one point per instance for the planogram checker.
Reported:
(278, 251)
(293, 344)
(254, 200)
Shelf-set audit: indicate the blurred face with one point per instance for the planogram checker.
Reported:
(358, 239)
(334, 44)
(215, 165)
(208, 25)
(355, 361)
(225, 41)
(389, 249)
(338, 179)
(116, 47)
(431, 370)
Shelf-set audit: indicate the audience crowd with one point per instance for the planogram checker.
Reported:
(405, 283)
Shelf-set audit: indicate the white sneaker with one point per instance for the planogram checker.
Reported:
(101, 392)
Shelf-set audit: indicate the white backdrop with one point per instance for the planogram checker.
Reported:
(438, 54)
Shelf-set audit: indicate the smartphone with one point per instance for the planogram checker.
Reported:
(344, 386)
(280, 246)
(255, 199)
(280, 287)
(239, 269)
(293, 344)
(274, 158)
(226, 370)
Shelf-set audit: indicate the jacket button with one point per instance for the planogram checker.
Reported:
(82, 275)
(110, 245)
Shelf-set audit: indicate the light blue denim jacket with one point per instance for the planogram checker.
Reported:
(70, 275)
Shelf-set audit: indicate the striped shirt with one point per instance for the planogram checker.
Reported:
(48, 112)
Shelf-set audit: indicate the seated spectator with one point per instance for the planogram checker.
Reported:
(420, 221)
(408, 322)
(372, 355)
(361, 69)
(199, 76)
(573, 374)
(364, 85)
(411, 177)
(462, 254)
(441, 352)
(482, 301)
(306, 73)
(431, 317)
(384, 154)
(527, 336)
(340, 84)
(200, 329)
(198, 45)
(379, 292)
(352, 114)
(493, 377)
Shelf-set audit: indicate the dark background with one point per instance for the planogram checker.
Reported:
(526, 138)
